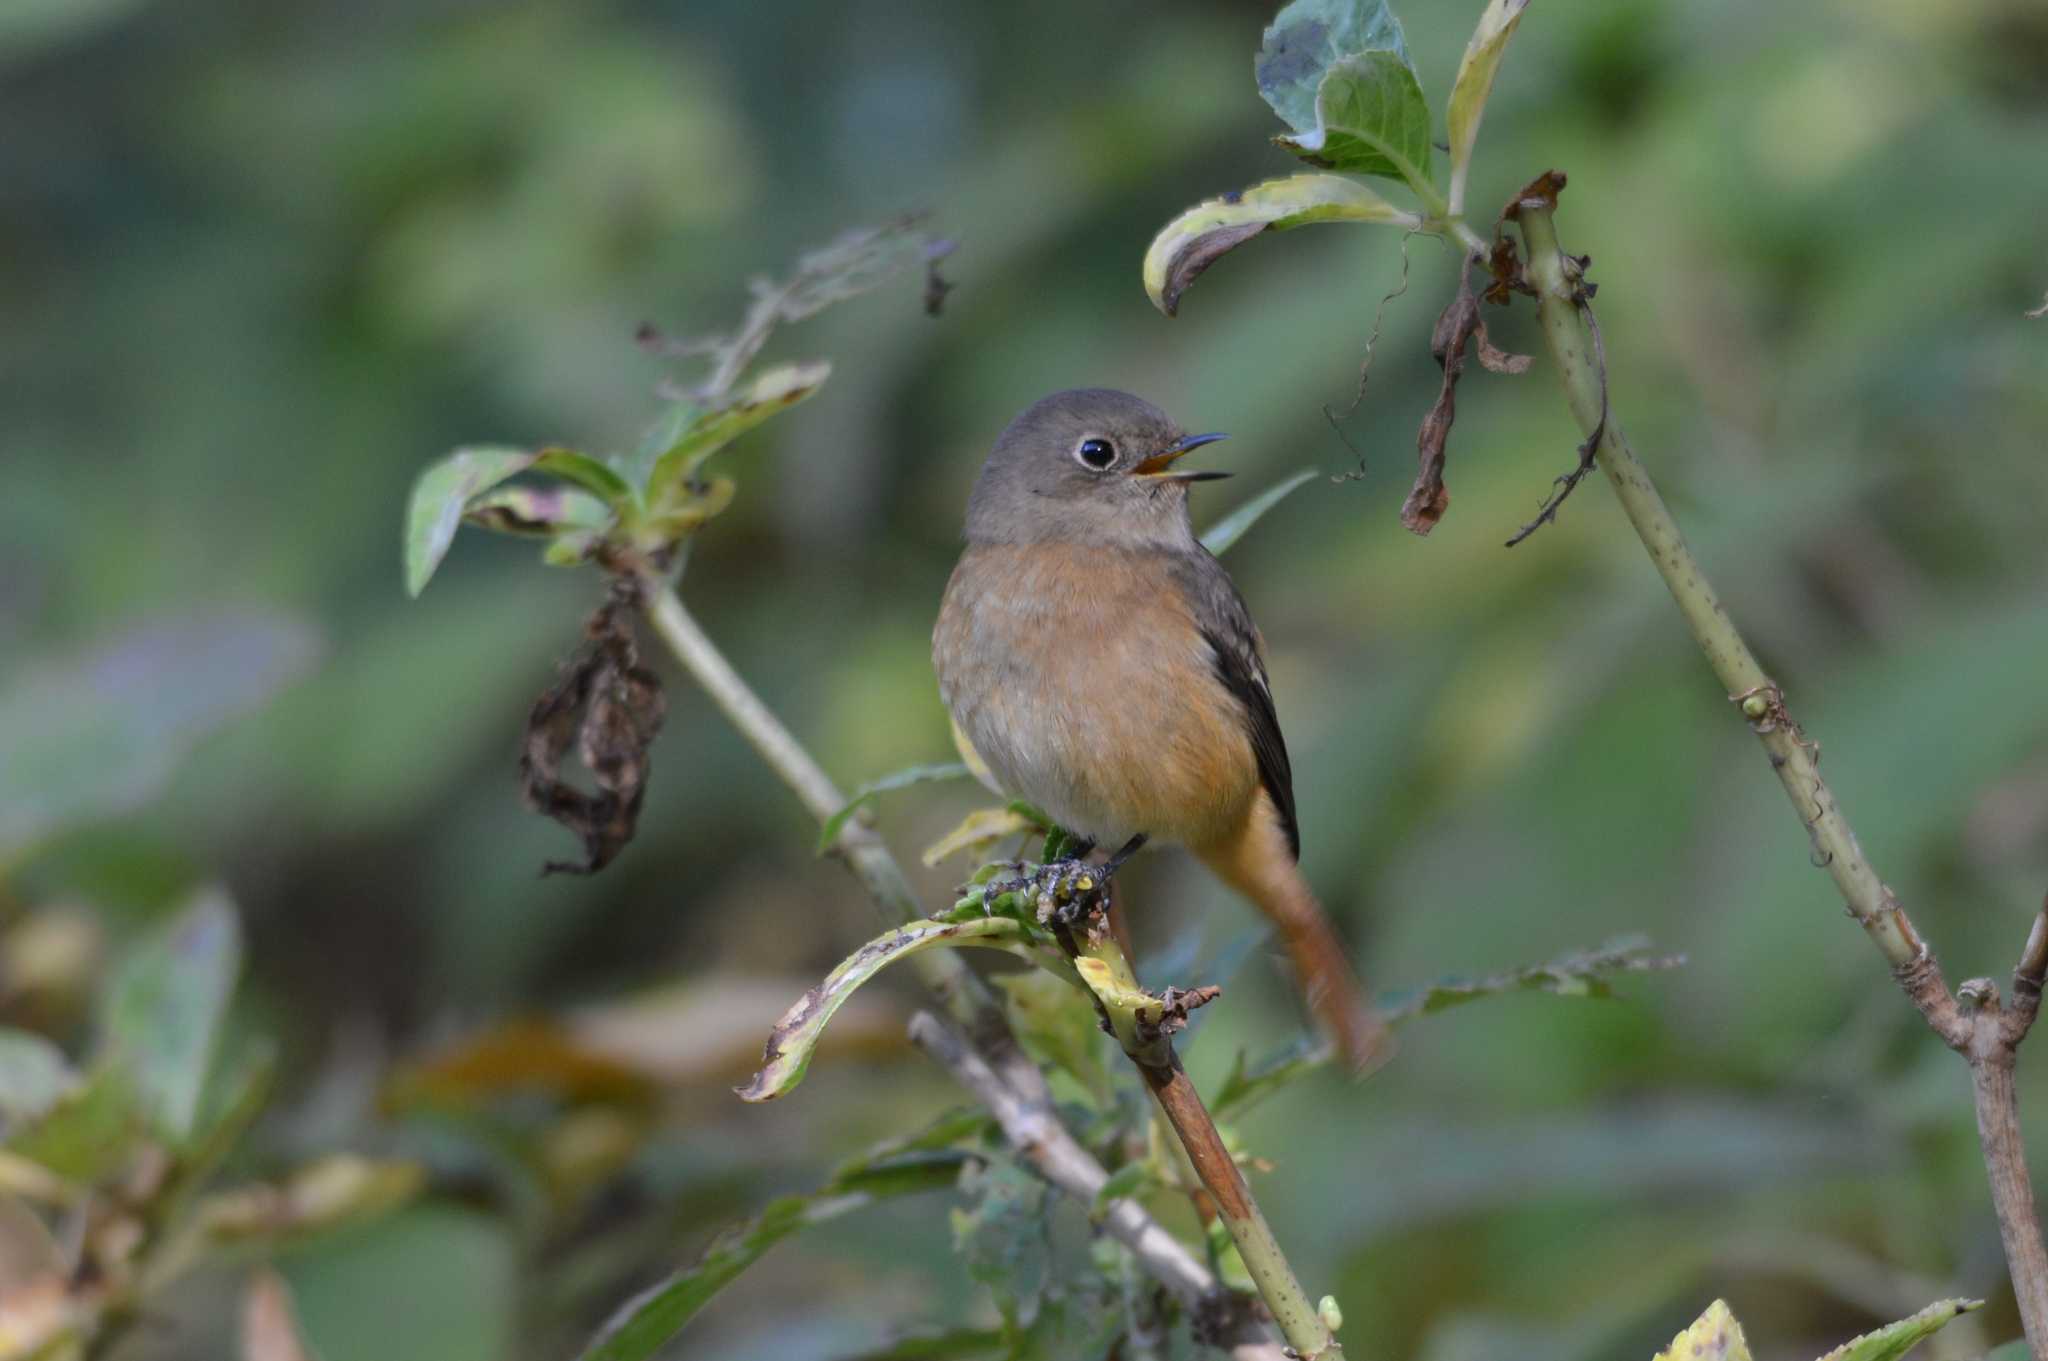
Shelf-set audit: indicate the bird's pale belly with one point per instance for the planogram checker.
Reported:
(1057, 669)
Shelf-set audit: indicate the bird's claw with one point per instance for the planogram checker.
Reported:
(1063, 891)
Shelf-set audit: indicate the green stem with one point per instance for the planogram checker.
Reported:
(957, 986)
(1556, 278)
(1970, 1020)
(1135, 1016)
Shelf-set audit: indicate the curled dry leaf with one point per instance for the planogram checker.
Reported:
(1459, 325)
(610, 708)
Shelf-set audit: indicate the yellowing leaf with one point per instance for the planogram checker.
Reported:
(1475, 83)
(1206, 232)
(1714, 1336)
(977, 832)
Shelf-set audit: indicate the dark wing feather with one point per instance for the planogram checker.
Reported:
(1227, 626)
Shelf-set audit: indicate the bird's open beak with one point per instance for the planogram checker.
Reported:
(1160, 465)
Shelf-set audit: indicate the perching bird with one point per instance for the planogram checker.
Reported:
(1100, 664)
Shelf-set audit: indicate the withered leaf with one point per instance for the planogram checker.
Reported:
(1459, 325)
(609, 708)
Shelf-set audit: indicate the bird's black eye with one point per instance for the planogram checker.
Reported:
(1095, 453)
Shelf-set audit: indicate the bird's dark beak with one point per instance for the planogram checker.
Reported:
(1160, 465)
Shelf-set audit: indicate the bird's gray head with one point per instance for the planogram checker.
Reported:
(1089, 464)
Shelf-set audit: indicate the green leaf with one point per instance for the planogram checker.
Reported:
(165, 1006)
(644, 1324)
(796, 1035)
(1582, 973)
(665, 434)
(1896, 1339)
(1307, 38)
(89, 1133)
(440, 494)
(1205, 233)
(773, 391)
(1131, 1179)
(585, 472)
(34, 1074)
(1004, 1236)
(545, 511)
(100, 732)
(1474, 83)
(901, 779)
(1220, 536)
(1371, 119)
(1056, 1025)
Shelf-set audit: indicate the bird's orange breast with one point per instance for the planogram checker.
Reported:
(1081, 677)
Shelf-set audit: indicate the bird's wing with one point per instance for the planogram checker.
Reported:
(1226, 625)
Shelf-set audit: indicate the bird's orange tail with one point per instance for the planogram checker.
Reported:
(1260, 865)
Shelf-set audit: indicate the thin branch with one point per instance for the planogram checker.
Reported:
(1144, 1026)
(1041, 1140)
(1971, 1020)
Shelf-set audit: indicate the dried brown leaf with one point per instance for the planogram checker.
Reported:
(610, 709)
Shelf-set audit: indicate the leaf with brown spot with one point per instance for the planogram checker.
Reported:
(610, 708)
(795, 1037)
(1202, 235)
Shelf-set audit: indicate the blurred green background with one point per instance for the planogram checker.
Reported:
(260, 262)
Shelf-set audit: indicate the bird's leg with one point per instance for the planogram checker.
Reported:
(1123, 853)
(1070, 888)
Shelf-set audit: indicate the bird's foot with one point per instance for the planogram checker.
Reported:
(1063, 891)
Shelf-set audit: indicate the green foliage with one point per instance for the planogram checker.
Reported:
(1371, 119)
(1894, 1340)
(446, 230)
(655, 497)
(142, 1132)
(89, 1132)
(1218, 538)
(1581, 973)
(644, 1324)
(165, 1007)
(1307, 38)
(772, 392)
(441, 495)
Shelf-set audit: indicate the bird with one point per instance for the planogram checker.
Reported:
(1099, 663)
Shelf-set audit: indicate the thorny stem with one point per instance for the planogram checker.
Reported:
(956, 985)
(1040, 1139)
(1143, 1026)
(1970, 1021)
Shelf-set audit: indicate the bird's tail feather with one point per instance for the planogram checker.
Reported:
(1260, 865)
